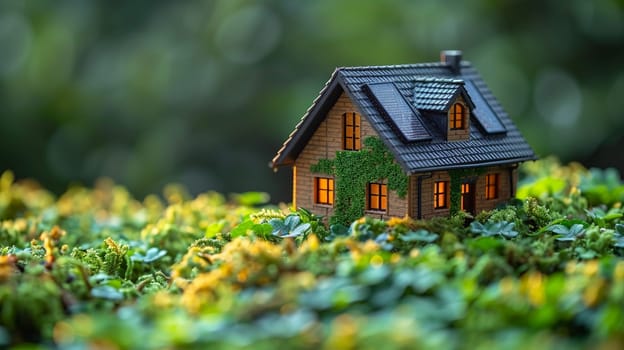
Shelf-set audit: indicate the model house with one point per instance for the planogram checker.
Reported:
(421, 140)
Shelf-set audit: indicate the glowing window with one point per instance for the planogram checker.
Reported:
(465, 190)
(324, 190)
(491, 186)
(440, 194)
(457, 116)
(352, 131)
(377, 196)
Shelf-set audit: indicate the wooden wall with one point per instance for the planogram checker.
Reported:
(326, 140)
(505, 192)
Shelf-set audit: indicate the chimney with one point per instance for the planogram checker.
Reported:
(452, 58)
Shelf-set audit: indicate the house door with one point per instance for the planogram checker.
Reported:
(468, 197)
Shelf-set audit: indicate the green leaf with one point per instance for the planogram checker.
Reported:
(150, 256)
(299, 230)
(340, 230)
(374, 275)
(502, 228)
(106, 292)
(485, 244)
(242, 229)
(419, 236)
(262, 230)
(292, 221)
(558, 229)
(251, 198)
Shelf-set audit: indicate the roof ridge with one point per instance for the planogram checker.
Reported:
(464, 64)
(433, 79)
(405, 65)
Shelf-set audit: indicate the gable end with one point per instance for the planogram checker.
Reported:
(310, 121)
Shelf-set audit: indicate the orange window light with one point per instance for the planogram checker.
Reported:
(352, 133)
(465, 189)
(491, 186)
(440, 194)
(377, 196)
(456, 120)
(324, 190)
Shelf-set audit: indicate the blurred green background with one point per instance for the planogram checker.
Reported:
(204, 92)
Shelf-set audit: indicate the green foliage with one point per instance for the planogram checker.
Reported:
(151, 255)
(324, 166)
(602, 186)
(567, 233)
(420, 235)
(457, 177)
(353, 170)
(502, 228)
(546, 271)
(527, 215)
(289, 227)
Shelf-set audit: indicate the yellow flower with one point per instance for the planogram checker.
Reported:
(202, 290)
(20, 224)
(396, 221)
(395, 258)
(162, 300)
(7, 266)
(414, 253)
(532, 284)
(343, 333)
(591, 268)
(370, 247)
(56, 233)
(618, 272)
(311, 244)
(242, 275)
(570, 267)
(376, 260)
(593, 292)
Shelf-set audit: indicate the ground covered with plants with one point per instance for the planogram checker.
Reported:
(96, 268)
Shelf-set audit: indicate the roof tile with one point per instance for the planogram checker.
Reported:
(428, 86)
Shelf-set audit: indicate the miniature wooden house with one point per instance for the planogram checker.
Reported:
(453, 144)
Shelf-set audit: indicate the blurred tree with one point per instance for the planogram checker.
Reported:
(204, 92)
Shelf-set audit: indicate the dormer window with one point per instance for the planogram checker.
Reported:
(457, 116)
(351, 131)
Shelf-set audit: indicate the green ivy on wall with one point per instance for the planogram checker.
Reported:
(352, 170)
(457, 177)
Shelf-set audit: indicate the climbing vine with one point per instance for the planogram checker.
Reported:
(352, 170)
(457, 177)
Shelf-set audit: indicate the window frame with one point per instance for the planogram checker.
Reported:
(492, 185)
(324, 187)
(457, 116)
(351, 131)
(377, 197)
(440, 193)
(465, 189)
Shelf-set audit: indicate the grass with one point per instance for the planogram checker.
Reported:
(96, 268)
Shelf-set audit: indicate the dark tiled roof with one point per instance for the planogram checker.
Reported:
(488, 143)
(435, 94)
(406, 121)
